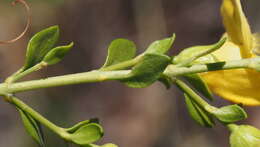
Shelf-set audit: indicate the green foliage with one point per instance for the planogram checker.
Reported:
(198, 54)
(87, 134)
(228, 114)
(40, 44)
(32, 127)
(147, 71)
(143, 70)
(197, 82)
(161, 46)
(55, 55)
(201, 116)
(80, 124)
(120, 50)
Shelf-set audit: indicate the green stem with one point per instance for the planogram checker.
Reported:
(232, 127)
(87, 77)
(99, 76)
(10, 78)
(173, 70)
(18, 103)
(186, 89)
(26, 72)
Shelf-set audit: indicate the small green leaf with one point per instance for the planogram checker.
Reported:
(228, 114)
(197, 113)
(120, 50)
(198, 54)
(147, 71)
(197, 82)
(87, 134)
(80, 124)
(40, 44)
(161, 46)
(56, 54)
(32, 127)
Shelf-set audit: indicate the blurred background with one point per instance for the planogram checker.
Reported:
(148, 117)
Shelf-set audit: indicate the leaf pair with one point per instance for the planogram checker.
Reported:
(33, 127)
(228, 114)
(197, 113)
(121, 50)
(204, 115)
(40, 48)
(149, 66)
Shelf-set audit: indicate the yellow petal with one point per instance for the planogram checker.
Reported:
(237, 26)
(237, 85)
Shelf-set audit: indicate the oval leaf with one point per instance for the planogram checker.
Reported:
(161, 46)
(80, 124)
(120, 50)
(198, 54)
(147, 71)
(32, 127)
(228, 114)
(40, 44)
(198, 84)
(87, 134)
(198, 114)
(57, 54)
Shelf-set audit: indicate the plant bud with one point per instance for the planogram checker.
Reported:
(244, 136)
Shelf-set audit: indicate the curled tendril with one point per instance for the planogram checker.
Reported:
(23, 2)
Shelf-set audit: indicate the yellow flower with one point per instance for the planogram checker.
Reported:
(237, 85)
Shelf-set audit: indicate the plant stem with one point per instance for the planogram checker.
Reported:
(87, 77)
(20, 75)
(18, 103)
(10, 78)
(186, 89)
(173, 70)
(99, 76)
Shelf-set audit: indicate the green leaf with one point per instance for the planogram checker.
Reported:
(56, 54)
(87, 134)
(147, 71)
(120, 50)
(228, 114)
(161, 46)
(197, 82)
(40, 44)
(80, 124)
(32, 127)
(197, 113)
(198, 54)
